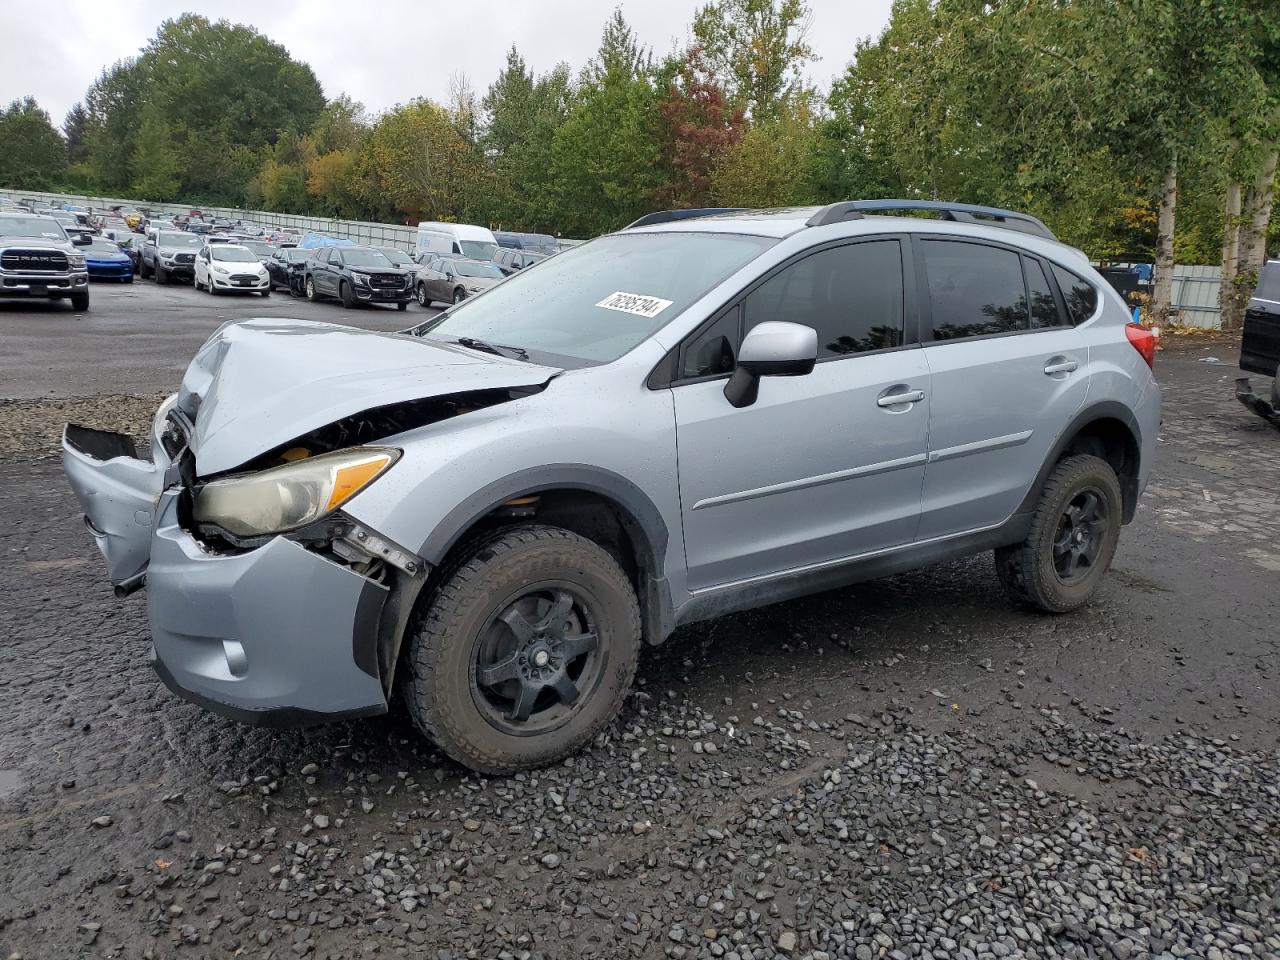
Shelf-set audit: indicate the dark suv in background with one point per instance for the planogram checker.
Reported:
(357, 275)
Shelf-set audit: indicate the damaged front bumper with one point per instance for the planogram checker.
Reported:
(279, 634)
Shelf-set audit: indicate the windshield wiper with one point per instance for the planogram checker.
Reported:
(497, 349)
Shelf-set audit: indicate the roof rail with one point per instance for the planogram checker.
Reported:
(667, 216)
(958, 212)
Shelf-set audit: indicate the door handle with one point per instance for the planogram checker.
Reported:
(1060, 365)
(896, 399)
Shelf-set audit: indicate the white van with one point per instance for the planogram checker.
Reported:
(468, 240)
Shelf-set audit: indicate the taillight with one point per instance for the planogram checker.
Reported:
(1144, 341)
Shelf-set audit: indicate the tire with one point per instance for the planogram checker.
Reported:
(311, 289)
(162, 275)
(458, 635)
(80, 301)
(344, 294)
(423, 299)
(142, 270)
(402, 306)
(459, 295)
(195, 282)
(1275, 393)
(1037, 571)
(266, 292)
(129, 278)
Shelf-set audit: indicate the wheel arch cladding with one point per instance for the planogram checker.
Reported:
(1108, 430)
(575, 496)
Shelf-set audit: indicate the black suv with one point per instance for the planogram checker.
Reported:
(357, 275)
(168, 255)
(1260, 344)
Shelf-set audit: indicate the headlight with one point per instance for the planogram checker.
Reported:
(75, 259)
(361, 278)
(219, 269)
(284, 498)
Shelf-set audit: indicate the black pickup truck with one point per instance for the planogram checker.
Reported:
(1260, 345)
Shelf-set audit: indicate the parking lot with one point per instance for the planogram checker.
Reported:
(907, 768)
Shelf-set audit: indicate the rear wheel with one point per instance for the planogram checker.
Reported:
(1073, 537)
(525, 652)
(311, 289)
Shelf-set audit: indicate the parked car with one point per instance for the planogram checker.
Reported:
(132, 248)
(263, 249)
(285, 269)
(509, 261)
(542, 243)
(229, 267)
(462, 239)
(38, 259)
(1260, 343)
(169, 255)
(354, 275)
(493, 512)
(106, 261)
(453, 279)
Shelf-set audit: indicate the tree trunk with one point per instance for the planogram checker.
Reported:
(1257, 215)
(1230, 314)
(1163, 292)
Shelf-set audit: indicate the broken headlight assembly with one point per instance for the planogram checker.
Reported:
(293, 495)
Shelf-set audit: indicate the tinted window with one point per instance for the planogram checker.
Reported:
(974, 290)
(852, 295)
(713, 351)
(1044, 308)
(1269, 282)
(1080, 297)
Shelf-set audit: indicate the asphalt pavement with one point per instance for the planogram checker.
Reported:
(906, 768)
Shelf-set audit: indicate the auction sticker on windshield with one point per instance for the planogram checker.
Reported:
(635, 303)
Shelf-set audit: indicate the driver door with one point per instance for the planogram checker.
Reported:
(822, 467)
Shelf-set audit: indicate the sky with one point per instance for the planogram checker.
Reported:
(380, 52)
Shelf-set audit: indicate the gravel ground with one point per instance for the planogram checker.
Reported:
(909, 768)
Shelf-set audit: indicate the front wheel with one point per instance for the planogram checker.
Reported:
(80, 301)
(402, 306)
(344, 294)
(129, 278)
(423, 299)
(459, 295)
(525, 652)
(266, 293)
(162, 275)
(1073, 537)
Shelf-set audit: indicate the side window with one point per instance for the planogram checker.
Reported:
(1044, 308)
(974, 290)
(1080, 297)
(851, 294)
(714, 350)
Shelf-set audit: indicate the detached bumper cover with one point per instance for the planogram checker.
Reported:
(1245, 394)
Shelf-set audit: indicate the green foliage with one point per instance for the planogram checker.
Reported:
(155, 159)
(33, 154)
(759, 49)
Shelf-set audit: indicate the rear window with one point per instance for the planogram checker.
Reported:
(1080, 296)
(1269, 282)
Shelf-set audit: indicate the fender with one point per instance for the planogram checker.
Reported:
(1102, 410)
(643, 520)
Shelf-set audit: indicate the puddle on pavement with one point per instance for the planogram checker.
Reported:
(10, 783)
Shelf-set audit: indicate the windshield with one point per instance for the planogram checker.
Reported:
(104, 246)
(364, 258)
(32, 227)
(597, 301)
(232, 254)
(398, 257)
(478, 249)
(179, 240)
(473, 268)
(259, 247)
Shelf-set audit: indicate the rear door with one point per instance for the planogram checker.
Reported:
(821, 467)
(1009, 371)
(1260, 345)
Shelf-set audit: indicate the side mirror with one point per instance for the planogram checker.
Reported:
(771, 349)
(448, 275)
(80, 240)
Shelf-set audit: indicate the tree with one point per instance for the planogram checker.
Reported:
(155, 163)
(423, 166)
(758, 49)
(33, 154)
(75, 130)
(698, 129)
(773, 165)
(606, 155)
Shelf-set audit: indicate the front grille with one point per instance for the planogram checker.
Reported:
(390, 281)
(185, 258)
(49, 261)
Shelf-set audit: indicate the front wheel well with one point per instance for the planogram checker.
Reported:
(1113, 441)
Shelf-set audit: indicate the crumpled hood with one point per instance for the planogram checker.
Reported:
(259, 383)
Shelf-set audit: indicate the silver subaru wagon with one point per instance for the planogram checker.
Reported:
(704, 412)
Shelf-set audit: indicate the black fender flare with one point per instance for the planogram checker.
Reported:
(1102, 410)
(640, 516)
